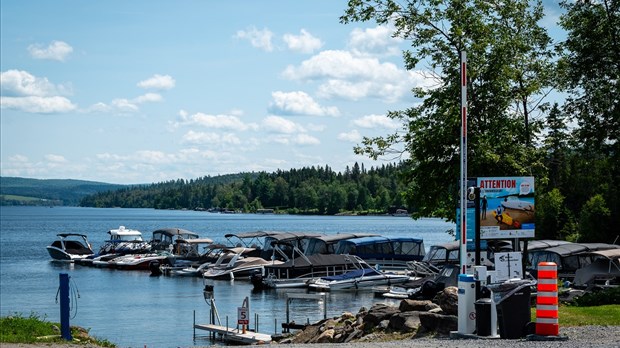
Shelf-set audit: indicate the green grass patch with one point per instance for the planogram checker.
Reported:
(581, 316)
(32, 329)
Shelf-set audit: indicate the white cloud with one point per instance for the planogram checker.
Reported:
(209, 138)
(377, 121)
(278, 124)
(375, 41)
(158, 82)
(19, 83)
(42, 105)
(55, 158)
(305, 139)
(56, 50)
(26, 92)
(352, 77)
(258, 38)
(299, 103)
(214, 121)
(126, 105)
(303, 43)
(353, 136)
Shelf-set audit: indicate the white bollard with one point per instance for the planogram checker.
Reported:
(466, 308)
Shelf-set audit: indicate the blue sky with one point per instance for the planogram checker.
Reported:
(148, 91)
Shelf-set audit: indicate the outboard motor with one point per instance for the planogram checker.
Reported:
(154, 266)
(257, 280)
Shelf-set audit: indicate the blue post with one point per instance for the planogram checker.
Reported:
(65, 328)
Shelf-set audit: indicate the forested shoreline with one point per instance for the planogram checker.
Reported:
(313, 190)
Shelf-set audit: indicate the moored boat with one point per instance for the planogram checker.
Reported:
(363, 278)
(70, 247)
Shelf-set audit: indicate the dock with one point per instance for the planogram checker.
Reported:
(235, 335)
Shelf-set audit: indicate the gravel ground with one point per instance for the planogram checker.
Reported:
(577, 337)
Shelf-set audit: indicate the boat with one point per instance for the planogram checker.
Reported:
(513, 202)
(166, 245)
(70, 247)
(326, 244)
(569, 257)
(602, 272)
(364, 278)
(236, 263)
(317, 260)
(264, 243)
(142, 262)
(385, 252)
(121, 241)
(297, 272)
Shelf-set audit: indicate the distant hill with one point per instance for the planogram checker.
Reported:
(24, 191)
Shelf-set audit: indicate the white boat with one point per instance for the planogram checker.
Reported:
(142, 261)
(121, 241)
(235, 263)
(70, 247)
(364, 278)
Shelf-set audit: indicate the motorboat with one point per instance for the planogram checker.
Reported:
(264, 243)
(124, 241)
(568, 257)
(236, 263)
(121, 241)
(70, 247)
(513, 202)
(385, 252)
(195, 266)
(142, 262)
(363, 278)
(423, 288)
(326, 244)
(298, 271)
(166, 239)
(602, 272)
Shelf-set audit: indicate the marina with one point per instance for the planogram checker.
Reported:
(133, 308)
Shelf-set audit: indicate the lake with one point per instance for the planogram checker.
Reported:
(134, 309)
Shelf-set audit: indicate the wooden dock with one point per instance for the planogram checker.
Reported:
(235, 335)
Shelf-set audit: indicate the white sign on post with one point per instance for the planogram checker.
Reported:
(242, 316)
(508, 266)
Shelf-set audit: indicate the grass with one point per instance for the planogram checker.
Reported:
(591, 315)
(32, 329)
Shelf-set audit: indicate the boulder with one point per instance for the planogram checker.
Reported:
(439, 323)
(417, 305)
(448, 300)
(326, 337)
(379, 312)
(405, 321)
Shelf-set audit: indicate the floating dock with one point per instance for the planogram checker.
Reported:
(235, 335)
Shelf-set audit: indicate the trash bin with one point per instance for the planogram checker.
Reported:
(512, 299)
(483, 317)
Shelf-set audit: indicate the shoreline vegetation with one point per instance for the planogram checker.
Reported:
(35, 330)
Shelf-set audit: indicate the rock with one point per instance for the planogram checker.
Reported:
(448, 300)
(405, 321)
(307, 334)
(378, 313)
(442, 324)
(326, 337)
(417, 305)
(357, 333)
(383, 325)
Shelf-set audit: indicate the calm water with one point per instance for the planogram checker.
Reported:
(133, 309)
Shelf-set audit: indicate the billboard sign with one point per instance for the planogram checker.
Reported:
(507, 207)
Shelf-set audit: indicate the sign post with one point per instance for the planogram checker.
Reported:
(243, 316)
(463, 183)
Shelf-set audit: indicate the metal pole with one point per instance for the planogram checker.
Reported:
(65, 327)
(477, 230)
(463, 212)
